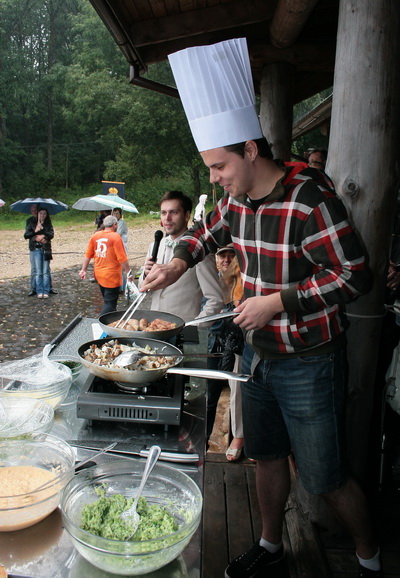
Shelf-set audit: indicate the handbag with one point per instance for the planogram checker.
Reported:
(47, 254)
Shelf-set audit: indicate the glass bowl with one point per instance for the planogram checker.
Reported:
(72, 363)
(20, 505)
(166, 486)
(54, 392)
(22, 417)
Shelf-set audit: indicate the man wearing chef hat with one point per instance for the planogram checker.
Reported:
(301, 262)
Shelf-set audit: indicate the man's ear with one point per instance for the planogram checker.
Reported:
(251, 149)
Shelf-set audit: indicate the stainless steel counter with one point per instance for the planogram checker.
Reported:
(45, 550)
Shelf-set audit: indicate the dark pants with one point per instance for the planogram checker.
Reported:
(110, 296)
(214, 386)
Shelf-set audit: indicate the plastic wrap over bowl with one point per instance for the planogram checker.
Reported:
(21, 417)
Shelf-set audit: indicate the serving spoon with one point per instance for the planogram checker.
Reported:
(75, 467)
(131, 516)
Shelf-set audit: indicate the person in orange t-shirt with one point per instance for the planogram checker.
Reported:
(107, 249)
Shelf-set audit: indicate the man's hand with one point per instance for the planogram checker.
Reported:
(148, 265)
(393, 278)
(161, 276)
(256, 312)
(85, 265)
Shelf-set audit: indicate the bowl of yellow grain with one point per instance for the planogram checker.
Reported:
(33, 474)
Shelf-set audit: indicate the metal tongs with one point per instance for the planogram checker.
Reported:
(130, 311)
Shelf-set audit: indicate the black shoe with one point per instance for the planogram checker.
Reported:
(54, 291)
(367, 573)
(252, 562)
(31, 293)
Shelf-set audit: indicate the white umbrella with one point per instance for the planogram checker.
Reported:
(104, 202)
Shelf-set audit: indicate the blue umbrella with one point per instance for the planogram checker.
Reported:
(53, 207)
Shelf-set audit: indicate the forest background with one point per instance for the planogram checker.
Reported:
(69, 117)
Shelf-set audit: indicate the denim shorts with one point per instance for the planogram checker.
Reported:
(297, 405)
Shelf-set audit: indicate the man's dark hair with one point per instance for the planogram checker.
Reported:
(184, 201)
(264, 150)
(322, 151)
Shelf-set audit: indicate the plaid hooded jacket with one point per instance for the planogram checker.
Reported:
(299, 242)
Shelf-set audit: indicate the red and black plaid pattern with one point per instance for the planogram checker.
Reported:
(299, 242)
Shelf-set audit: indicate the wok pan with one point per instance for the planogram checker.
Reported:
(146, 376)
(107, 318)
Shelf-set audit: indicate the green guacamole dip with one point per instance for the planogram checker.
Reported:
(103, 518)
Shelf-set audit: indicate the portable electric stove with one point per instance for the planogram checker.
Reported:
(156, 402)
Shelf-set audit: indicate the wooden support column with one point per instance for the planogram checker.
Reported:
(363, 162)
(276, 111)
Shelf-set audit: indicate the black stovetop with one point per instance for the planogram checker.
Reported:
(155, 402)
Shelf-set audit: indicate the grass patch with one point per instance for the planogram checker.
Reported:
(12, 221)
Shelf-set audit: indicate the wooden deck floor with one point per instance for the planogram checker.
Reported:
(231, 524)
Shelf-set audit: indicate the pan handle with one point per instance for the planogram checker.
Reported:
(211, 318)
(209, 373)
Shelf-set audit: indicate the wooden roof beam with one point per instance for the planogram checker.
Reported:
(314, 119)
(203, 20)
(288, 21)
(118, 32)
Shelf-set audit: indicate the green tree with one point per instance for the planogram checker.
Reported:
(315, 138)
(156, 141)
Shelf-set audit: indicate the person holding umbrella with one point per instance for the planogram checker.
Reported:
(30, 206)
(40, 232)
(29, 222)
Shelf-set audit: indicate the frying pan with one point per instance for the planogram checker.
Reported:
(107, 318)
(146, 376)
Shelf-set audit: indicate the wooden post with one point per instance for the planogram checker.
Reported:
(363, 162)
(276, 111)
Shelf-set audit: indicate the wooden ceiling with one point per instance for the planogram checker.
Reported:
(299, 32)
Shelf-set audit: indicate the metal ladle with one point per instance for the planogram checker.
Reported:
(131, 516)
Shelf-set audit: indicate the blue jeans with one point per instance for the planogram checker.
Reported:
(42, 268)
(298, 404)
(110, 297)
(33, 270)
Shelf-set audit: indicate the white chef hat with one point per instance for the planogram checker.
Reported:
(216, 88)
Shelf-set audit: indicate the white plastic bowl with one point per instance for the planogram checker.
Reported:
(166, 486)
